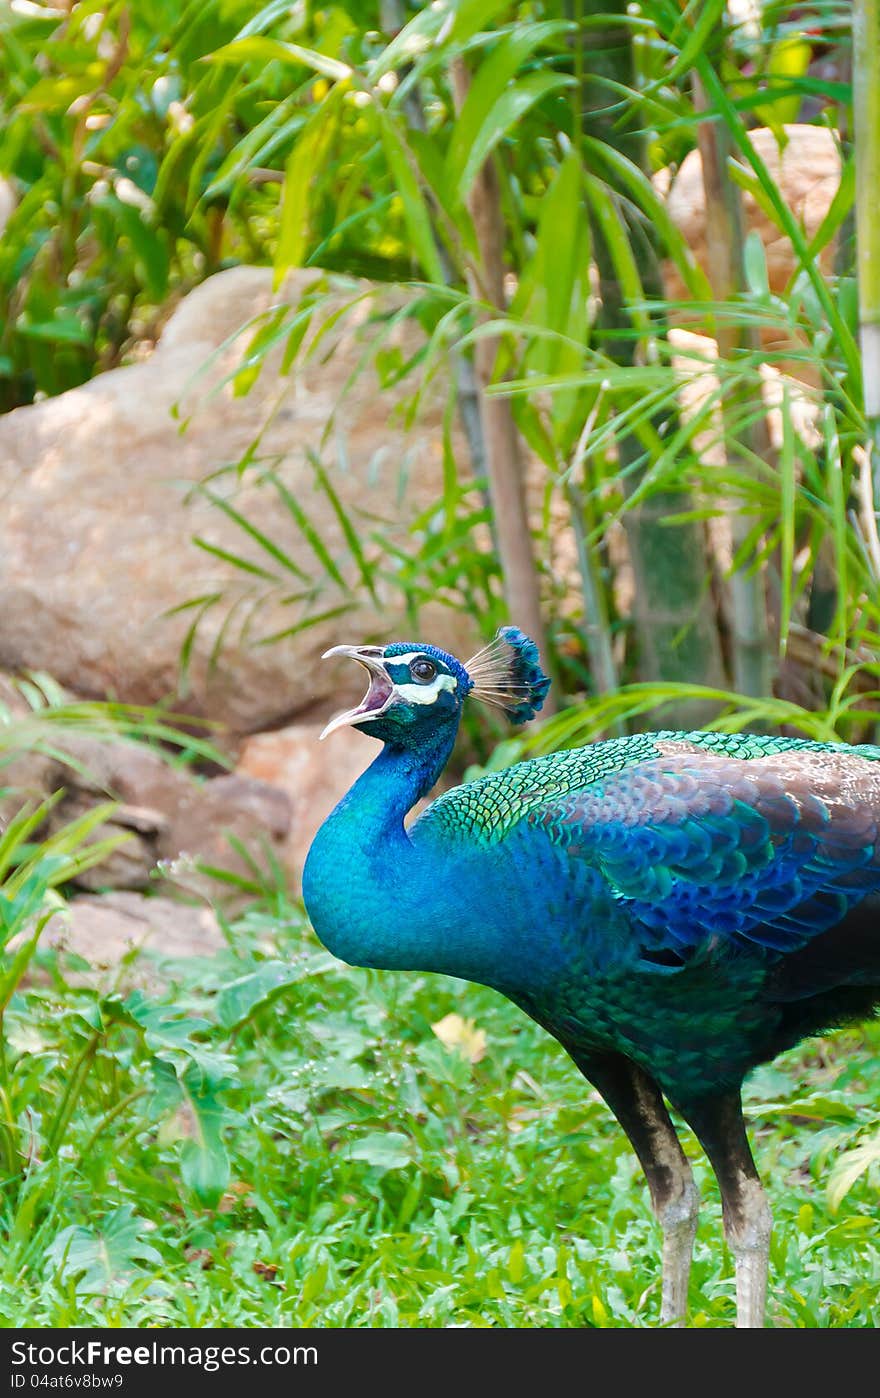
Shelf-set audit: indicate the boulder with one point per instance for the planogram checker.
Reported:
(172, 820)
(203, 826)
(807, 170)
(24, 775)
(101, 508)
(170, 817)
(133, 863)
(107, 930)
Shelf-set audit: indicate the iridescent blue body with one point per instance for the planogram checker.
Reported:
(664, 895)
(674, 908)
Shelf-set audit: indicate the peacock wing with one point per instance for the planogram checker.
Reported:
(700, 847)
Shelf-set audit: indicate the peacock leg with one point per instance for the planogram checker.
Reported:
(719, 1126)
(636, 1101)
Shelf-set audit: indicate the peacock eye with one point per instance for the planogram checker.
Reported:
(423, 671)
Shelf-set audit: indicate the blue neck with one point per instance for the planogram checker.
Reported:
(374, 897)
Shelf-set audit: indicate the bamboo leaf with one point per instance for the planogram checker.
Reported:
(782, 214)
(313, 619)
(755, 266)
(308, 531)
(490, 110)
(642, 191)
(262, 50)
(244, 565)
(840, 206)
(262, 540)
(365, 569)
(305, 162)
(494, 77)
(620, 250)
(415, 210)
(788, 61)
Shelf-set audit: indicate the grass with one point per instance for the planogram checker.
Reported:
(331, 1163)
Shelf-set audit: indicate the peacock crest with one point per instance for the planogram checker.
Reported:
(507, 674)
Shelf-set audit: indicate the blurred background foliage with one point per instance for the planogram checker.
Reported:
(500, 165)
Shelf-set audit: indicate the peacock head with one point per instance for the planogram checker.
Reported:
(414, 689)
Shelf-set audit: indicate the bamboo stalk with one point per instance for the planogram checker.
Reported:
(393, 18)
(866, 121)
(595, 624)
(674, 616)
(752, 667)
(500, 437)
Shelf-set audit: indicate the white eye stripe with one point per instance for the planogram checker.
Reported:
(424, 693)
(407, 658)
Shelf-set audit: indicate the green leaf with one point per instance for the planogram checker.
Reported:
(491, 81)
(839, 208)
(262, 50)
(709, 18)
(815, 1107)
(850, 1168)
(478, 130)
(14, 970)
(606, 209)
(415, 210)
(304, 164)
(240, 999)
(263, 541)
(789, 60)
(192, 1093)
(364, 567)
(164, 1026)
(414, 39)
(755, 266)
(386, 1150)
(782, 214)
(66, 329)
(102, 1258)
(305, 623)
(204, 1163)
(148, 244)
(314, 1283)
(308, 531)
(631, 178)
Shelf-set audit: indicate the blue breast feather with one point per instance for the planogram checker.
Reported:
(701, 849)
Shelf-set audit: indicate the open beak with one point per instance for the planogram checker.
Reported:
(380, 691)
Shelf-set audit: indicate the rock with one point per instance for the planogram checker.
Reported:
(169, 816)
(808, 174)
(130, 772)
(104, 930)
(24, 776)
(693, 358)
(100, 511)
(256, 815)
(132, 864)
(314, 775)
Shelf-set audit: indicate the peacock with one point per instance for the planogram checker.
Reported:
(673, 907)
